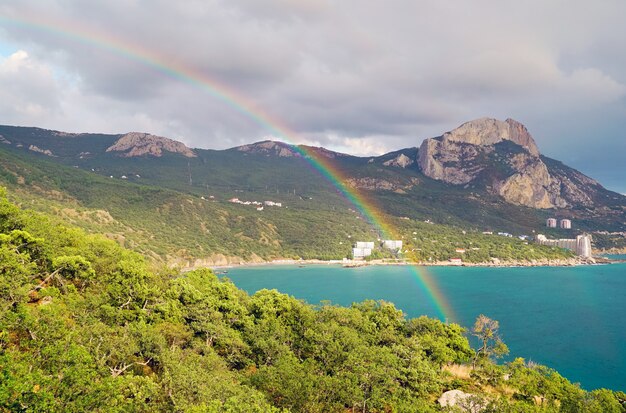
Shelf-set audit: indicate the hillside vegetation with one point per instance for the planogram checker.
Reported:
(181, 226)
(86, 325)
(501, 186)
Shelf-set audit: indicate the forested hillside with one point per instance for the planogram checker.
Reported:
(86, 325)
(181, 226)
(488, 193)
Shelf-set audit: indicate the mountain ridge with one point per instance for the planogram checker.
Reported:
(177, 208)
(489, 164)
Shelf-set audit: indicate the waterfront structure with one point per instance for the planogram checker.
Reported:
(551, 222)
(565, 224)
(392, 244)
(364, 244)
(581, 245)
(361, 252)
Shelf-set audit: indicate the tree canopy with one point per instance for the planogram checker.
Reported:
(86, 325)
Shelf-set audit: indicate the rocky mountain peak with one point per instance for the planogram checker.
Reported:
(319, 151)
(269, 148)
(474, 154)
(285, 150)
(139, 144)
(489, 131)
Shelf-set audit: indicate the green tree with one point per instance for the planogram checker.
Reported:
(487, 332)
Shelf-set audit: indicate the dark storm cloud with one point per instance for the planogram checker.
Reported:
(357, 76)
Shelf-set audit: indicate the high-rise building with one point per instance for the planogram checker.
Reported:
(551, 223)
(583, 245)
(565, 224)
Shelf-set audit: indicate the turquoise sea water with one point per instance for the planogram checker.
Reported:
(616, 256)
(572, 319)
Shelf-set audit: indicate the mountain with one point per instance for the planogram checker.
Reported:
(139, 144)
(504, 158)
(172, 202)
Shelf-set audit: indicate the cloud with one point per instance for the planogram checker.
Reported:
(593, 86)
(337, 73)
(28, 89)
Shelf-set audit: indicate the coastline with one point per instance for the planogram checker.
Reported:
(357, 263)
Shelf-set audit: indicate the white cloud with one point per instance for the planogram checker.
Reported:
(590, 85)
(360, 77)
(28, 89)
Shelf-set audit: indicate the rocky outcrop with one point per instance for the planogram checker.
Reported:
(400, 161)
(375, 184)
(450, 162)
(143, 144)
(37, 149)
(530, 185)
(458, 156)
(215, 260)
(503, 157)
(317, 151)
(269, 148)
(464, 402)
(487, 131)
(284, 150)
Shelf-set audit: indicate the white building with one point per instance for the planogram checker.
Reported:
(363, 244)
(581, 245)
(565, 224)
(551, 222)
(361, 252)
(392, 244)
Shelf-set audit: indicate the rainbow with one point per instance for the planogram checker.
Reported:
(238, 102)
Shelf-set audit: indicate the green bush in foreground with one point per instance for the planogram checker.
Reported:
(88, 326)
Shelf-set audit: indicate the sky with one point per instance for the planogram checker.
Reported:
(362, 77)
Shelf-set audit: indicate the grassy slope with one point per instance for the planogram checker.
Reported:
(180, 224)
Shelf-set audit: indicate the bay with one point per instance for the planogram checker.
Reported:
(572, 319)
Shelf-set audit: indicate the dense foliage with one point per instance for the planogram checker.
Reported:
(86, 325)
(427, 242)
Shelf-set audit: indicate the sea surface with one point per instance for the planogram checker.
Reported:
(616, 256)
(572, 319)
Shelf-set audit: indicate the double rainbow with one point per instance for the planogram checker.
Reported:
(238, 102)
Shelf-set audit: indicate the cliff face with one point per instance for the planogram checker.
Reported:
(487, 131)
(141, 144)
(503, 156)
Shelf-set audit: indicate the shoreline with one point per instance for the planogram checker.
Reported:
(355, 263)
